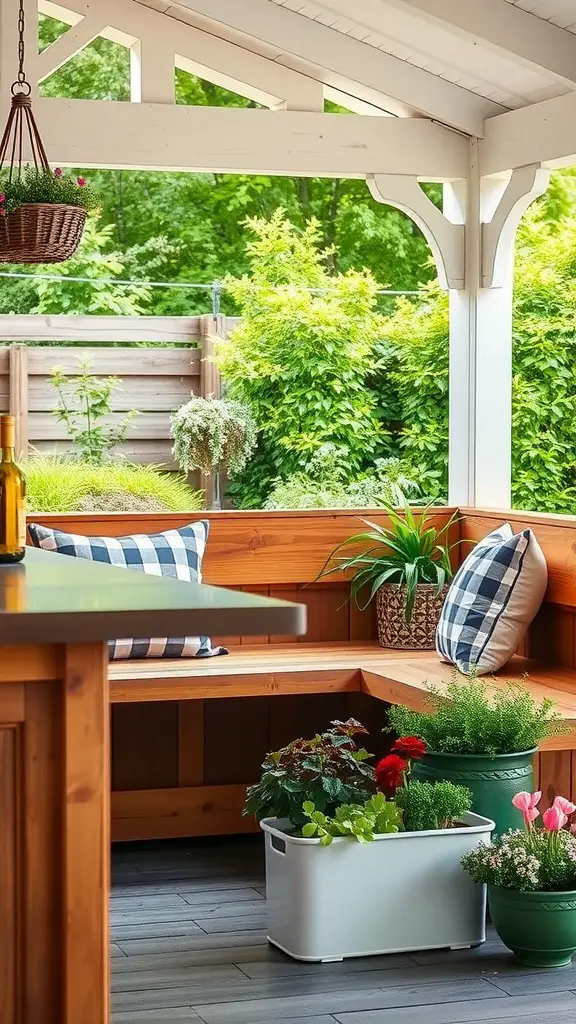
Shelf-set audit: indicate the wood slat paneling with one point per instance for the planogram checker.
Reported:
(124, 362)
(10, 855)
(146, 394)
(145, 745)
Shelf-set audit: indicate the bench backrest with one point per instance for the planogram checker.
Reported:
(281, 553)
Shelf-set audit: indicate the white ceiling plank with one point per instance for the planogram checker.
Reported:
(345, 60)
(542, 133)
(249, 74)
(506, 29)
(91, 133)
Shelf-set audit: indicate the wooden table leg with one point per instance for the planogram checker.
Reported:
(86, 834)
(54, 835)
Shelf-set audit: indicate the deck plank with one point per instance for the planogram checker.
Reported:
(188, 923)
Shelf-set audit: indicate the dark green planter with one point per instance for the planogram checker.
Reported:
(539, 927)
(493, 781)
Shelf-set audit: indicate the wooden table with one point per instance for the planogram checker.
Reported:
(56, 614)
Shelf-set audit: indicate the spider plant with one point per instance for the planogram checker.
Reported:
(407, 553)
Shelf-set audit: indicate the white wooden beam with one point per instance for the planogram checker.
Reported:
(217, 60)
(543, 133)
(526, 184)
(345, 60)
(90, 133)
(72, 42)
(505, 29)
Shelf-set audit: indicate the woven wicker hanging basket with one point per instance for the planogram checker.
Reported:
(32, 232)
(420, 633)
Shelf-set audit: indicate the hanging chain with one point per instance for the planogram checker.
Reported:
(21, 84)
(21, 50)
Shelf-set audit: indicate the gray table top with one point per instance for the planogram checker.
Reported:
(57, 598)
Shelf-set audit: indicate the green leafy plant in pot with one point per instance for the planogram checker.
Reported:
(481, 737)
(406, 567)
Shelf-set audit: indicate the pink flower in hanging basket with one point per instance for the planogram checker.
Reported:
(58, 172)
(82, 182)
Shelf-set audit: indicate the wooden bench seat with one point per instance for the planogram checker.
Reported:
(393, 676)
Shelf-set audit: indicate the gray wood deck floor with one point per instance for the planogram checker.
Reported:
(189, 944)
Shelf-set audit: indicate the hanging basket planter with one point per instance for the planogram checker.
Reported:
(42, 212)
(41, 233)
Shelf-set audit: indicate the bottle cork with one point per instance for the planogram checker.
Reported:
(7, 432)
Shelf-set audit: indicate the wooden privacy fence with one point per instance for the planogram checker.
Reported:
(156, 380)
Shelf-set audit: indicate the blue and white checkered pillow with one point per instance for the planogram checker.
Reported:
(491, 601)
(176, 553)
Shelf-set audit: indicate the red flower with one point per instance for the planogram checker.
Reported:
(58, 172)
(390, 771)
(410, 746)
(82, 182)
(2, 197)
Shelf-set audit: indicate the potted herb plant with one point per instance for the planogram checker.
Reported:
(406, 567)
(531, 878)
(213, 435)
(350, 847)
(481, 737)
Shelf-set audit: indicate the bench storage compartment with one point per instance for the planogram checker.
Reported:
(404, 891)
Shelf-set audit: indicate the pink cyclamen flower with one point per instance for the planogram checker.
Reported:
(82, 182)
(554, 819)
(566, 806)
(2, 198)
(58, 172)
(527, 803)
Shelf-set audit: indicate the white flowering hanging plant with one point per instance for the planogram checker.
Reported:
(213, 433)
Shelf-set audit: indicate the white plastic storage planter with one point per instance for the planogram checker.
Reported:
(404, 891)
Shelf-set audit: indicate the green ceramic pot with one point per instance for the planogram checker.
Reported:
(539, 927)
(492, 780)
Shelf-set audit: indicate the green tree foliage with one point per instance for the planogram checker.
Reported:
(300, 357)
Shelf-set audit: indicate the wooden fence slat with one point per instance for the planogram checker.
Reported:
(146, 394)
(152, 425)
(98, 329)
(19, 396)
(142, 451)
(123, 362)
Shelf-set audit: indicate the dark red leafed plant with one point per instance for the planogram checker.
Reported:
(328, 770)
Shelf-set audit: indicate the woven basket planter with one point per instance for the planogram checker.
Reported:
(420, 634)
(41, 233)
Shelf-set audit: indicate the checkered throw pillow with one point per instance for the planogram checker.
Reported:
(491, 601)
(176, 553)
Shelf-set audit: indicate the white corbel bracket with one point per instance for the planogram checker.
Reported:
(445, 239)
(525, 185)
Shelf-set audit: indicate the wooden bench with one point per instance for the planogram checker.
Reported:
(186, 741)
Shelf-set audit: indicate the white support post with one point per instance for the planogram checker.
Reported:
(152, 70)
(480, 448)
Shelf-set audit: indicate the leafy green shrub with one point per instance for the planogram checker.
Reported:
(55, 484)
(45, 187)
(362, 822)
(407, 553)
(468, 718)
(328, 770)
(212, 433)
(83, 400)
(323, 484)
(300, 357)
(431, 805)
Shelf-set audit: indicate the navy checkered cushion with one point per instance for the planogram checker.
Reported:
(491, 601)
(176, 553)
